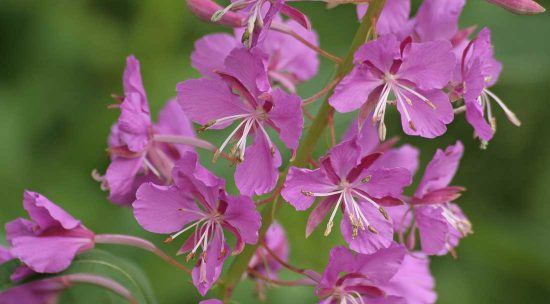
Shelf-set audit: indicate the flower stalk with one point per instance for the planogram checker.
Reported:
(305, 150)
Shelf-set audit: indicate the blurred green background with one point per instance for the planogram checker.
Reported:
(61, 60)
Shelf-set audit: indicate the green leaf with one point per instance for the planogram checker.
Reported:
(96, 262)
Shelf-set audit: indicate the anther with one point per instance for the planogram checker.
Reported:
(307, 193)
(384, 213)
(366, 179)
(329, 228)
(190, 256)
(371, 229)
(168, 240)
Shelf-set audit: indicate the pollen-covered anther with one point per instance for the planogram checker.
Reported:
(329, 228)
(168, 240)
(307, 193)
(190, 256)
(366, 179)
(372, 229)
(384, 213)
(206, 126)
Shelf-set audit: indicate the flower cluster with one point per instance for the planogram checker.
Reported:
(425, 66)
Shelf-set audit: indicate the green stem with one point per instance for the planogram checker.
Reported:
(305, 150)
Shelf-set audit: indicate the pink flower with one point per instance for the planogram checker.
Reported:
(262, 261)
(479, 71)
(198, 201)
(346, 179)
(413, 72)
(211, 301)
(242, 93)
(520, 6)
(440, 223)
(50, 240)
(135, 156)
(360, 278)
(288, 61)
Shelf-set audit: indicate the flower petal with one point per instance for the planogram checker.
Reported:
(428, 122)
(286, 115)
(258, 173)
(122, 178)
(438, 19)
(164, 209)
(47, 214)
(49, 254)
(393, 18)
(384, 182)
(441, 169)
(299, 180)
(428, 65)
(173, 121)
(319, 213)
(366, 241)
(205, 100)
(241, 213)
(210, 53)
(382, 265)
(433, 229)
(353, 91)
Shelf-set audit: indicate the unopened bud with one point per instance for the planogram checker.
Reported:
(210, 11)
(523, 7)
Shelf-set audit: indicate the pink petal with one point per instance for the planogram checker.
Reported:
(427, 121)
(173, 121)
(381, 53)
(433, 229)
(287, 117)
(47, 214)
(205, 100)
(241, 213)
(258, 173)
(413, 281)
(212, 267)
(210, 53)
(382, 265)
(385, 182)
(366, 241)
(441, 169)
(299, 180)
(353, 91)
(393, 17)
(49, 254)
(428, 65)
(20, 227)
(438, 19)
(248, 67)
(122, 179)
(164, 209)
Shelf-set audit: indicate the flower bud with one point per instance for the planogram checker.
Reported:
(205, 9)
(524, 7)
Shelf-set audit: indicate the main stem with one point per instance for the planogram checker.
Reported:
(304, 152)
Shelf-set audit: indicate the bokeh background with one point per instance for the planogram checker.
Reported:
(61, 60)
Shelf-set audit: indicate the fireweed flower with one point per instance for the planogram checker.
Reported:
(258, 16)
(359, 278)
(440, 222)
(346, 180)
(479, 71)
(414, 73)
(50, 240)
(135, 156)
(198, 202)
(242, 93)
(288, 61)
(262, 261)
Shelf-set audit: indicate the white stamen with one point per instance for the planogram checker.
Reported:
(511, 116)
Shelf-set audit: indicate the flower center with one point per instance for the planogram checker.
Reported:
(347, 195)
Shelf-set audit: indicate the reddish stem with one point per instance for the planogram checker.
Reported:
(126, 240)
